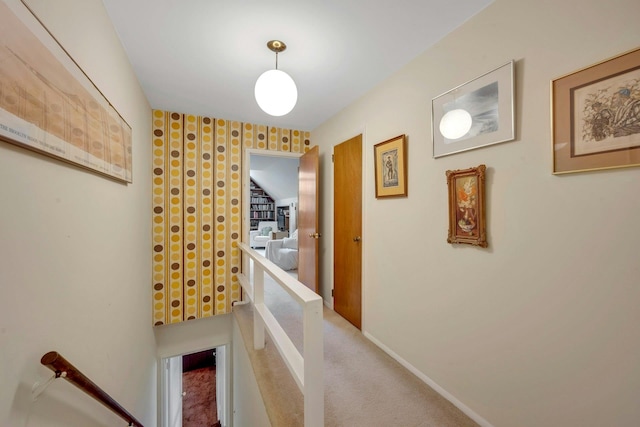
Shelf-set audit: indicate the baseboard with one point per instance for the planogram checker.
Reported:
(441, 391)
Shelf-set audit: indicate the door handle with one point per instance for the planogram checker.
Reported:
(356, 239)
(315, 235)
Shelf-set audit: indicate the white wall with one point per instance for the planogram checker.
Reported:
(286, 202)
(540, 329)
(75, 258)
(193, 336)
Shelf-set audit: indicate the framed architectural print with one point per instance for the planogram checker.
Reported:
(390, 159)
(48, 104)
(475, 114)
(596, 116)
(467, 206)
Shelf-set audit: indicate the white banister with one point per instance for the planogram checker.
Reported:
(307, 371)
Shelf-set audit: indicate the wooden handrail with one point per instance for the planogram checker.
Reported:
(58, 364)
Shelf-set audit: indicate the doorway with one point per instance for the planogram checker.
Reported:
(199, 403)
(277, 176)
(195, 389)
(306, 219)
(347, 239)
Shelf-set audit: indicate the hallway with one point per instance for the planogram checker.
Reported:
(364, 386)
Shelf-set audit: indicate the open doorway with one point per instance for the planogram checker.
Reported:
(195, 389)
(276, 176)
(199, 403)
(306, 226)
(271, 211)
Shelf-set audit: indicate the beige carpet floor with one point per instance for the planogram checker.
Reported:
(363, 385)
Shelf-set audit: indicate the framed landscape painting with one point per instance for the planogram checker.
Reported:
(48, 104)
(596, 116)
(467, 222)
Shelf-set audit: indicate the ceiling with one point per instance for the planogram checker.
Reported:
(203, 56)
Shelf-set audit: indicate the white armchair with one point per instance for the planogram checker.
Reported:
(259, 238)
(283, 252)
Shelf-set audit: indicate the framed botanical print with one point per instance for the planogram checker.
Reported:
(596, 116)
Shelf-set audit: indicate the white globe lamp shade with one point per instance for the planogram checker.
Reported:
(455, 124)
(276, 92)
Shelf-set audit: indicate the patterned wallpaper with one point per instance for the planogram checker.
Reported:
(197, 209)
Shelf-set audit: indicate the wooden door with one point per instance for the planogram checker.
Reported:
(308, 233)
(347, 239)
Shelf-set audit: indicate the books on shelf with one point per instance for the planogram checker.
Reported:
(262, 206)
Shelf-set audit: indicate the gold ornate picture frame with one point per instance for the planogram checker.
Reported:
(467, 222)
(390, 159)
(596, 116)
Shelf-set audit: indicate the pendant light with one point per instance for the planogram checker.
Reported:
(275, 90)
(455, 124)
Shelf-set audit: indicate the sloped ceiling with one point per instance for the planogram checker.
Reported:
(278, 176)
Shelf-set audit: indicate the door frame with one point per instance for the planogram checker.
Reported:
(246, 168)
(165, 383)
(367, 159)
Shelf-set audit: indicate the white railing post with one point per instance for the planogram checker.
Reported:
(313, 339)
(258, 299)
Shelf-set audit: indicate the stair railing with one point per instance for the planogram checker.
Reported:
(63, 369)
(307, 371)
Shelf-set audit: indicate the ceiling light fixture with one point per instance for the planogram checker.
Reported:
(455, 124)
(275, 90)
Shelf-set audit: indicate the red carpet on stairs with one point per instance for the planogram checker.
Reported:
(199, 401)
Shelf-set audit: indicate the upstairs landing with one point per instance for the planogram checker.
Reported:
(364, 386)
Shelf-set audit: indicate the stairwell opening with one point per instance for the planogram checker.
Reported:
(194, 389)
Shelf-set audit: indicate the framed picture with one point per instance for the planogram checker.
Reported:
(467, 207)
(596, 116)
(475, 114)
(48, 104)
(391, 167)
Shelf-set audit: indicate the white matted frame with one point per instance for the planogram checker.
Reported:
(489, 99)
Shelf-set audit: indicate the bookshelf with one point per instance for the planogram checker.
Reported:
(262, 206)
(282, 214)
